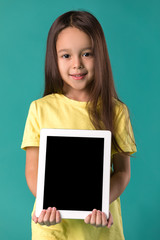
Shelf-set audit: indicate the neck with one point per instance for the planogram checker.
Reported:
(78, 95)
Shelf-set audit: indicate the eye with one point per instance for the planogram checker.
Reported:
(65, 56)
(87, 54)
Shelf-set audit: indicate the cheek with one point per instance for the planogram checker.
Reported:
(90, 65)
(92, 69)
(62, 67)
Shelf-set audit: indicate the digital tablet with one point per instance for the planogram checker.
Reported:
(74, 172)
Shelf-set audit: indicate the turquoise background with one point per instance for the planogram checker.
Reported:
(132, 34)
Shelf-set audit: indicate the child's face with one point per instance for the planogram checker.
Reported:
(75, 59)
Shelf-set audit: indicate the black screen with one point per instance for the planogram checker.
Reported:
(74, 173)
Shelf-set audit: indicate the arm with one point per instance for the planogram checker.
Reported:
(118, 183)
(31, 169)
(121, 175)
(48, 217)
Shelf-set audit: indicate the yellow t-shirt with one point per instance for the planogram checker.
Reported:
(58, 111)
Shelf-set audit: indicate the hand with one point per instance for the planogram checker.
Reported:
(48, 217)
(99, 219)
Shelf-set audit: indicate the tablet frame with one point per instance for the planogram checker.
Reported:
(44, 133)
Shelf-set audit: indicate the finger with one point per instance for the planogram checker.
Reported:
(41, 216)
(53, 216)
(99, 219)
(104, 220)
(34, 218)
(47, 217)
(58, 217)
(110, 220)
(88, 218)
(93, 217)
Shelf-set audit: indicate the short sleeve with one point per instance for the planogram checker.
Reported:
(31, 134)
(123, 131)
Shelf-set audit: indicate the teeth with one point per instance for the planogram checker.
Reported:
(78, 75)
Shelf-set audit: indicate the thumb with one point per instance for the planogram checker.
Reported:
(110, 220)
(34, 218)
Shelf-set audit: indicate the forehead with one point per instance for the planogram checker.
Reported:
(72, 37)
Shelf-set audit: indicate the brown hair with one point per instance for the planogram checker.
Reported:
(103, 85)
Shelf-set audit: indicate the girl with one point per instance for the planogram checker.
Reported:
(79, 94)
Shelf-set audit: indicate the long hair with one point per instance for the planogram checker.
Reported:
(103, 85)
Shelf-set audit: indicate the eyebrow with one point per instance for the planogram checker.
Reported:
(65, 50)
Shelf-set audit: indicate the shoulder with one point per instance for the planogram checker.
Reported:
(46, 100)
(50, 101)
(119, 107)
(121, 115)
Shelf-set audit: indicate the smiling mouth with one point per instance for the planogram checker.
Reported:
(78, 75)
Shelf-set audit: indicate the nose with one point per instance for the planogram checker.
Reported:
(77, 62)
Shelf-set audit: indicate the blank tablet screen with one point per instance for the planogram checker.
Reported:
(73, 173)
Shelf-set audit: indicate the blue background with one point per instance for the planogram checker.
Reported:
(132, 34)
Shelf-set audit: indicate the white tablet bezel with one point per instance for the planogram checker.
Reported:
(44, 133)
